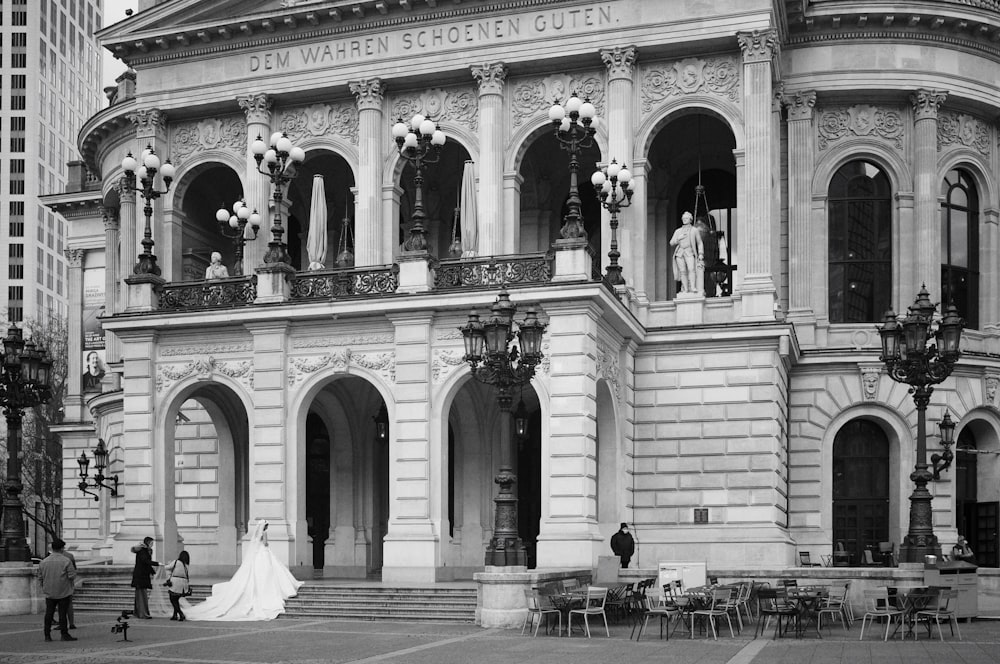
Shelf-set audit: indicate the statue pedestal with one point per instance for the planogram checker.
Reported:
(273, 284)
(142, 295)
(415, 272)
(573, 261)
(690, 308)
(20, 590)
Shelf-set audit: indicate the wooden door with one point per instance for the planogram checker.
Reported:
(860, 488)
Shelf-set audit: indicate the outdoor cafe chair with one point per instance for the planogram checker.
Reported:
(833, 606)
(718, 608)
(596, 597)
(537, 610)
(877, 607)
(773, 603)
(663, 612)
(805, 560)
(944, 609)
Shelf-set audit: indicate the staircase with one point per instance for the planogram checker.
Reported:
(346, 601)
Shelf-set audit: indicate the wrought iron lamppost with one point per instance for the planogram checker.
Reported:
(277, 160)
(494, 361)
(234, 227)
(381, 419)
(100, 463)
(920, 356)
(419, 143)
(146, 172)
(613, 185)
(942, 462)
(25, 371)
(575, 132)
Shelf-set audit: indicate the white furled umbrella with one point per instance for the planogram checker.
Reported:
(470, 216)
(316, 242)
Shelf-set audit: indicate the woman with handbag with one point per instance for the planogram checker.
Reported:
(178, 583)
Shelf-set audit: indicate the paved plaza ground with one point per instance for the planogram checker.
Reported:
(312, 641)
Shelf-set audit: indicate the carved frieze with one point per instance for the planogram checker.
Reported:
(341, 361)
(445, 362)
(203, 349)
(715, 76)
(448, 334)
(203, 368)
(860, 120)
(321, 120)
(229, 133)
(961, 129)
(535, 96)
(609, 368)
(457, 105)
(355, 340)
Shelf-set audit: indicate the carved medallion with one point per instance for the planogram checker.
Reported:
(210, 134)
(456, 105)
(321, 120)
(860, 120)
(717, 76)
(961, 129)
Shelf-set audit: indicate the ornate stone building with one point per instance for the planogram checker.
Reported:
(836, 155)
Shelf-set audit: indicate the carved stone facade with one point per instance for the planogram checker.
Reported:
(715, 76)
(455, 105)
(862, 120)
(189, 138)
(534, 96)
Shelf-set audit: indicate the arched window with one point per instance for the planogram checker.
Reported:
(960, 245)
(860, 256)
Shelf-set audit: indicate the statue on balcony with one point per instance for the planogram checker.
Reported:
(216, 270)
(689, 256)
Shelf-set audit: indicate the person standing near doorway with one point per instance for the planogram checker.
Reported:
(142, 576)
(57, 574)
(622, 545)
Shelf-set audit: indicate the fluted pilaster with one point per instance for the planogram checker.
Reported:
(801, 153)
(112, 279)
(74, 326)
(620, 62)
(128, 248)
(490, 77)
(925, 190)
(372, 139)
(256, 192)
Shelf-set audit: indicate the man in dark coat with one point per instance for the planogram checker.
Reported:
(142, 576)
(622, 544)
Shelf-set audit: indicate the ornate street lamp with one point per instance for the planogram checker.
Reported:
(942, 462)
(146, 172)
(25, 371)
(419, 142)
(234, 227)
(917, 354)
(494, 361)
(100, 463)
(381, 424)
(575, 132)
(613, 185)
(277, 161)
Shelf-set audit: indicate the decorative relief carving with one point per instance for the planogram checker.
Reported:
(210, 349)
(926, 103)
(126, 192)
(545, 366)
(717, 76)
(213, 133)
(256, 107)
(608, 367)
(800, 104)
(490, 77)
(369, 92)
(860, 120)
(619, 61)
(340, 361)
(459, 105)
(357, 340)
(992, 383)
(74, 257)
(870, 375)
(444, 363)
(758, 45)
(448, 334)
(109, 215)
(961, 129)
(536, 95)
(203, 368)
(148, 120)
(320, 120)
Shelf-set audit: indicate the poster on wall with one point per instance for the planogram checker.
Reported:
(93, 368)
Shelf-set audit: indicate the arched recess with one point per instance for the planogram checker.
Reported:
(975, 469)
(338, 184)
(610, 463)
(205, 470)
(340, 410)
(691, 146)
(201, 191)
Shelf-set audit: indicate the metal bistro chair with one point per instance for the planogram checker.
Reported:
(805, 560)
(833, 606)
(877, 607)
(663, 612)
(537, 610)
(942, 610)
(717, 609)
(596, 597)
(773, 603)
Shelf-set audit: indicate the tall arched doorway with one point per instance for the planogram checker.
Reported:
(337, 223)
(977, 492)
(860, 488)
(206, 189)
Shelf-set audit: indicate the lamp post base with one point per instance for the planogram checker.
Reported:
(506, 553)
(914, 551)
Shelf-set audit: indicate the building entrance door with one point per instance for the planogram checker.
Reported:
(860, 489)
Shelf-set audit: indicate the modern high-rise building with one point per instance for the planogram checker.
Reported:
(51, 66)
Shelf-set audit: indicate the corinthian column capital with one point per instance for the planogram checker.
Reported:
(620, 61)
(369, 92)
(148, 121)
(109, 216)
(926, 103)
(490, 77)
(257, 107)
(74, 257)
(758, 45)
(126, 189)
(800, 104)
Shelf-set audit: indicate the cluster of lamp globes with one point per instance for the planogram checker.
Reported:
(574, 111)
(278, 153)
(420, 128)
(614, 180)
(240, 217)
(149, 167)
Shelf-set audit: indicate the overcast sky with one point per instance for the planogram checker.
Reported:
(114, 11)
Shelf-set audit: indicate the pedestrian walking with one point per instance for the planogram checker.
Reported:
(622, 545)
(57, 573)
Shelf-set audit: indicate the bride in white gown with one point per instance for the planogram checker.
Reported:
(257, 591)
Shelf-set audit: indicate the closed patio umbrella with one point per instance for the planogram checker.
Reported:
(316, 241)
(470, 217)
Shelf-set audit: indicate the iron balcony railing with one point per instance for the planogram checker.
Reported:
(208, 294)
(346, 282)
(520, 269)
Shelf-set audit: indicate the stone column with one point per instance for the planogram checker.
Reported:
(112, 288)
(989, 271)
(758, 230)
(511, 241)
(620, 62)
(372, 140)
(802, 260)
(491, 130)
(927, 209)
(74, 336)
(128, 247)
(256, 188)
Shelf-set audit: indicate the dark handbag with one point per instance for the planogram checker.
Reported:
(188, 592)
(168, 583)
